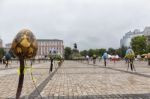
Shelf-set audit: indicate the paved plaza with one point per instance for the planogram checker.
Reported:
(78, 80)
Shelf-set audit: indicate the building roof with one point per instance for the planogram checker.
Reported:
(49, 40)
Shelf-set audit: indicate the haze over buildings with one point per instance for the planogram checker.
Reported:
(126, 40)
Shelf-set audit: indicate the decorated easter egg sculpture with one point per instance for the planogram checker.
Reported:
(130, 54)
(24, 46)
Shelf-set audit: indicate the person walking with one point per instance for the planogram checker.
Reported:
(105, 56)
(7, 58)
(87, 59)
(94, 59)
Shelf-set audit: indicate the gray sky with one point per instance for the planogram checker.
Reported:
(89, 23)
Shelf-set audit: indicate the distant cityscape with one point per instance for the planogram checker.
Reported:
(45, 45)
(125, 41)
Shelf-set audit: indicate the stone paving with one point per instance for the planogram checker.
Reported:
(9, 81)
(76, 80)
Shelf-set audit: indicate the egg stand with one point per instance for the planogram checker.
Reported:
(21, 77)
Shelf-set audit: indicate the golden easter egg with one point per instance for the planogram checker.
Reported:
(24, 44)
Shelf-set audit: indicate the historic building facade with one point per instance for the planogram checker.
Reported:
(146, 33)
(45, 46)
(7, 47)
(125, 41)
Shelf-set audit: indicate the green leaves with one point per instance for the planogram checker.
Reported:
(1, 53)
(67, 53)
(139, 45)
(91, 52)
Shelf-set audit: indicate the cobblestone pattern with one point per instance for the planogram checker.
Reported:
(9, 82)
(77, 79)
